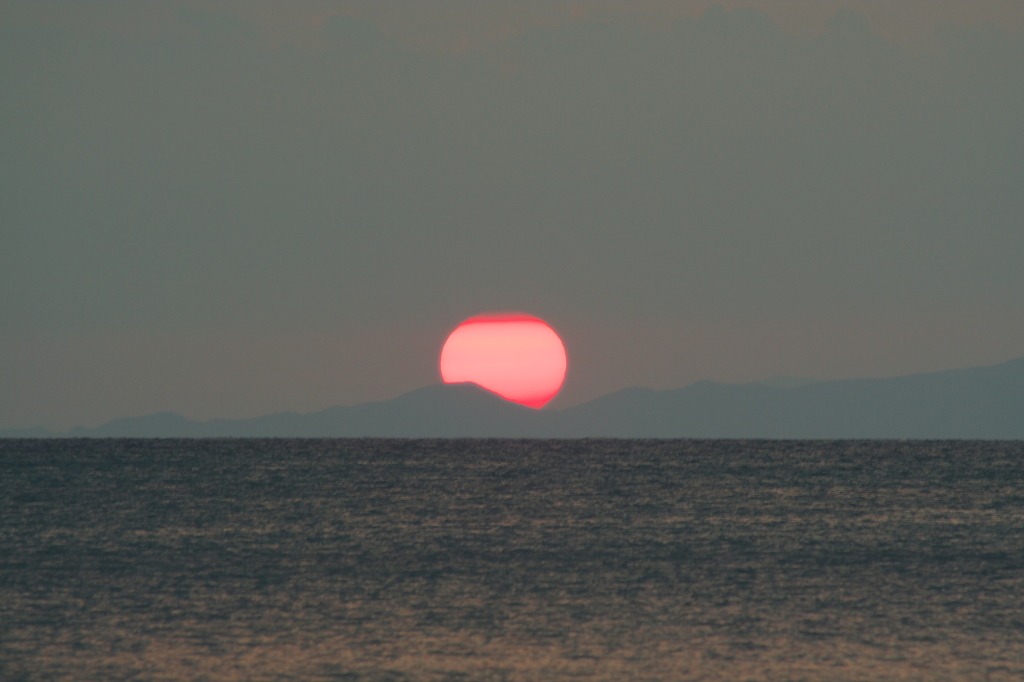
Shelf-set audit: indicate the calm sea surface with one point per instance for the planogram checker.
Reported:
(511, 560)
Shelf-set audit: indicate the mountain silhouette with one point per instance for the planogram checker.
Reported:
(982, 403)
(978, 403)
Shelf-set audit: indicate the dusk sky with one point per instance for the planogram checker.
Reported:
(226, 209)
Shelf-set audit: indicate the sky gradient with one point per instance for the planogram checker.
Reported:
(229, 209)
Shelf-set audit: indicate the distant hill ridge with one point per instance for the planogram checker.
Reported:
(978, 403)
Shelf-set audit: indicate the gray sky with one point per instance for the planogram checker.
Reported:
(233, 212)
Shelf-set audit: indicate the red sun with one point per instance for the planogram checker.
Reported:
(519, 357)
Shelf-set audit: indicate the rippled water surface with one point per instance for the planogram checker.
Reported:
(511, 560)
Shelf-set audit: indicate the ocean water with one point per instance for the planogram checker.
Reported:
(511, 560)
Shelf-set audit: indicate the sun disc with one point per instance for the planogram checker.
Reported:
(519, 357)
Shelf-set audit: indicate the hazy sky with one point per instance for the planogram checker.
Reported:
(226, 209)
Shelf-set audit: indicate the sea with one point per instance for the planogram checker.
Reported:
(393, 560)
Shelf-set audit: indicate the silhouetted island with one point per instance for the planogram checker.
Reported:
(978, 403)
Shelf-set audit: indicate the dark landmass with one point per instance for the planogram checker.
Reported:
(978, 403)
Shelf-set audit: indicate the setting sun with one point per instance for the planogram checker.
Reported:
(519, 357)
